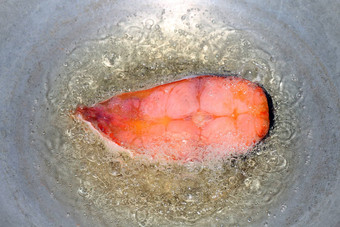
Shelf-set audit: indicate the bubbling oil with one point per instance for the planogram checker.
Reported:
(147, 53)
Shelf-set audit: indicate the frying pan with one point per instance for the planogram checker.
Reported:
(36, 38)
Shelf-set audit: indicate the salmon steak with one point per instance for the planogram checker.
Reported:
(192, 119)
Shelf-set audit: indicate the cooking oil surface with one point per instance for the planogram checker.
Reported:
(141, 54)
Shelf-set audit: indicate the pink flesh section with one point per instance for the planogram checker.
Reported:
(186, 120)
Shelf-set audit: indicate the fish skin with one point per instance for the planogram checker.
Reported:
(192, 119)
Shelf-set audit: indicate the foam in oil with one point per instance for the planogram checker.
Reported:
(143, 55)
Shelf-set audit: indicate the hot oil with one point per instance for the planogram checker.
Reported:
(150, 52)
